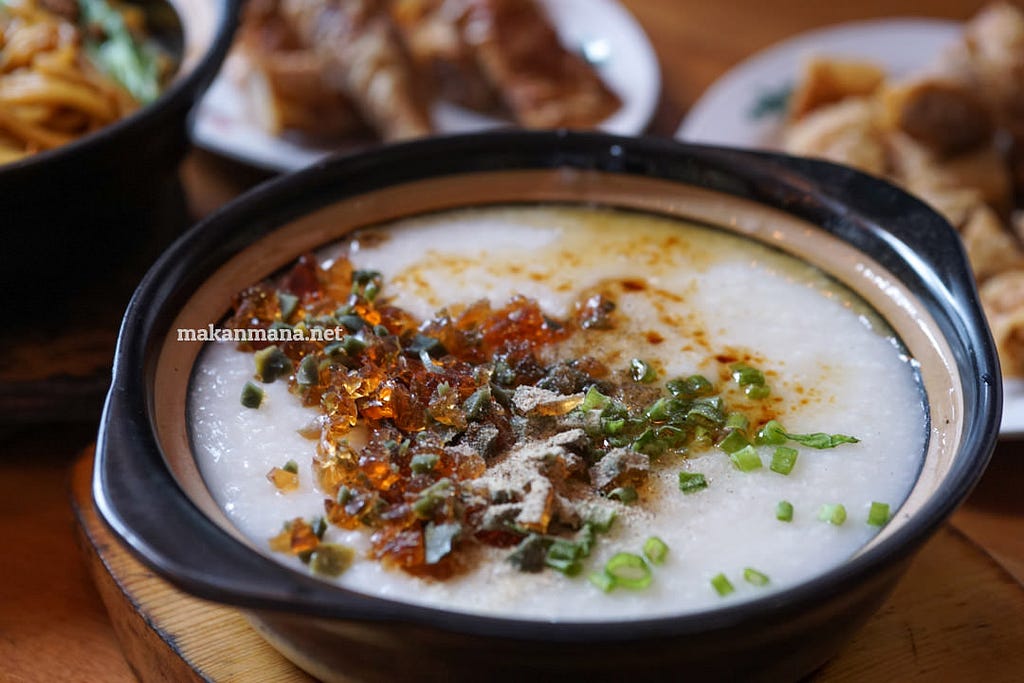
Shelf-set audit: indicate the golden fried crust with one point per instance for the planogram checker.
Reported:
(942, 114)
(827, 81)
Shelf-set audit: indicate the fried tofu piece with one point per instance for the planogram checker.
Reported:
(364, 59)
(921, 171)
(1002, 297)
(844, 132)
(991, 248)
(826, 81)
(504, 54)
(946, 116)
(283, 80)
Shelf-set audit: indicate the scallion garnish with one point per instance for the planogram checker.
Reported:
(594, 400)
(783, 459)
(757, 391)
(774, 434)
(737, 421)
(641, 371)
(629, 571)
(693, 386)
(691, 482)
(771, 434)
(879, 514)
(745, 375)
(755, 577)
(733, 442)
(832, 513)
(784, 511)
(655, 550)
(291, 466)
(746, 459)
(287, 303)
(722, 585)
(602, 580)
(252, 395)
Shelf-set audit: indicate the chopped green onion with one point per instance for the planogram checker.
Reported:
(774, 434)
(629, 571)
(820, 440)
(783, 459)
(564, 556)
(879, 514)
(252, 395)
(641, 371)
(603, 580)
(784, 511)
(744, 375)
(331, 559)
(832, 513)
(691, 482)
(755, 577)
(737, 421)
(746, 459)
(291, 466)
(655, 550)
(658, 411)
(771, 434)
(733, 442)
(722, 585)
(612, 427)
(422, 463)
(594, 400)
(757, 391)
(692, 387)
(624, 494)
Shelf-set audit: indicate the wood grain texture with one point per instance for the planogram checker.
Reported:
(166, 635)
(956, 615)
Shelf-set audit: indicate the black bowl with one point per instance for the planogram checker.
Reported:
(80, 209)
(148, 488)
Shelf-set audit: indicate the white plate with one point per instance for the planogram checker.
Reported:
(607, 33)
(724, 113)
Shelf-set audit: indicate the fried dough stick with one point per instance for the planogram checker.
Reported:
(509, 48)
(365, 60)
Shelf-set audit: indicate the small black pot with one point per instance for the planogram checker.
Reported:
(76, 211)
(148, 488)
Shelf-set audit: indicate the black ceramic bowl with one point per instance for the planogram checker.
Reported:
(80, 208)
(900, 256)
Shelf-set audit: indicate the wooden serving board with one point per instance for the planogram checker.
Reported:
(957, 615)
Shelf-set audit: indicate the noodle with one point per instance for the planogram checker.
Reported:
(51, 91)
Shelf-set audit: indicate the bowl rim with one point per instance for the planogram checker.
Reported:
(825, 194)
(180, 93)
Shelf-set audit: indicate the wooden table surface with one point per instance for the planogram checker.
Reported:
(52, 624)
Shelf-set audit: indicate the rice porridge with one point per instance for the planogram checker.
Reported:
(557, 413)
